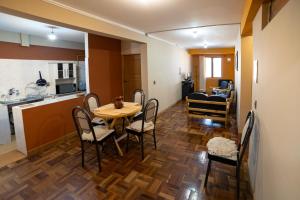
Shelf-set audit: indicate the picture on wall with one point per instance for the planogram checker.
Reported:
(236, 61)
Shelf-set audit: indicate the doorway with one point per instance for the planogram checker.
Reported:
(131, 75)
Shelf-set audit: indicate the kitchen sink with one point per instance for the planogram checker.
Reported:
(21, 101)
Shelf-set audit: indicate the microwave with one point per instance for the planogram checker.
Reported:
(65, 88)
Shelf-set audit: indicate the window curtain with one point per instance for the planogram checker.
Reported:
(202, 79)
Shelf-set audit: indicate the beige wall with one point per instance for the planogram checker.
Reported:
(243, 78)
(163, 59)
(246, 78)
(275, 148)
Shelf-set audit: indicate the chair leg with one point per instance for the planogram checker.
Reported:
(238, 182)
(207, 172)
(113, 146)
(127, 143)
(82, 154)
(142, 145)
(154, 138)
(123, 125)
(98, 157)
(102, 147)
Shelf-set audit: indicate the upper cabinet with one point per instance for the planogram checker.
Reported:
(64, 70)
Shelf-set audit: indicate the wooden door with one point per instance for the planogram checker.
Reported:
(131, 75)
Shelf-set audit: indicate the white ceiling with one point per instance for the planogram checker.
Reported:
(213, 37)
(21, 25)
(155, 15)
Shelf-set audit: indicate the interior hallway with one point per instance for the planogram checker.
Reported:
(175, 171)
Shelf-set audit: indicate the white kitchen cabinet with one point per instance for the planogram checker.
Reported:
(65, 70)
(5, 133)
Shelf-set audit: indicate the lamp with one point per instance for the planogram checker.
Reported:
(52, 36)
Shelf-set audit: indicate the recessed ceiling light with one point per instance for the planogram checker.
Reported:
(205, 45)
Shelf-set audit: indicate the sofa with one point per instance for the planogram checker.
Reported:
(214, 107)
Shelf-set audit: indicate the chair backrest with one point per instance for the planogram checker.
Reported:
(82, 122)
(139, 97)
(150, 111)
(246, 135)
(91, 102)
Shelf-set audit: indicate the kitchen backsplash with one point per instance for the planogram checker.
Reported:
(19, 74)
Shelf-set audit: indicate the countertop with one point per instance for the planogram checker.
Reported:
(48, 101)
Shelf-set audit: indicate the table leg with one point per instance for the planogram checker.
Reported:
(111, 126)
(118, 147)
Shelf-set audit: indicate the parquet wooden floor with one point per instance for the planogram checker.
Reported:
(175, 170)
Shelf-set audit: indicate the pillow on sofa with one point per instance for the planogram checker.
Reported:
(217, 98)
(198, 96)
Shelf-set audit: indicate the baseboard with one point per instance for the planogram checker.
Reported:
(164, 110)
(43, 147)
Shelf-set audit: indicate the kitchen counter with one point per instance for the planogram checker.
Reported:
(50, 100)
(40, 123)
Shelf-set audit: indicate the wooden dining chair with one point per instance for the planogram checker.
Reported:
(146, 125)
(89, 133)
(235, 152)
(138, 97)
(91, 102)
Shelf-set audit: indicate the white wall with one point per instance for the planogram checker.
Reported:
(164, 61)
(19, 73)
(237, 78)
(275, 146)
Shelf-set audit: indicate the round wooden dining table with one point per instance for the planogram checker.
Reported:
(109, 111)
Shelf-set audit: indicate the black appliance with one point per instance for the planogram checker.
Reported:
(65, 88)
(41, 81)
(187, 88)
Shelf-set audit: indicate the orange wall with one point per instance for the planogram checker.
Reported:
(105, 67)
(47, 123)
(211, 51)
(16, 51)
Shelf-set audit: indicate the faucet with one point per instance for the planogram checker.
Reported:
(12, 91)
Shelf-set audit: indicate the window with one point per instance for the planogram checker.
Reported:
(208, 67)
(213, 67)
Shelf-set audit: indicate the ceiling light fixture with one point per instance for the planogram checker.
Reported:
(52, 36)
(205, 45)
